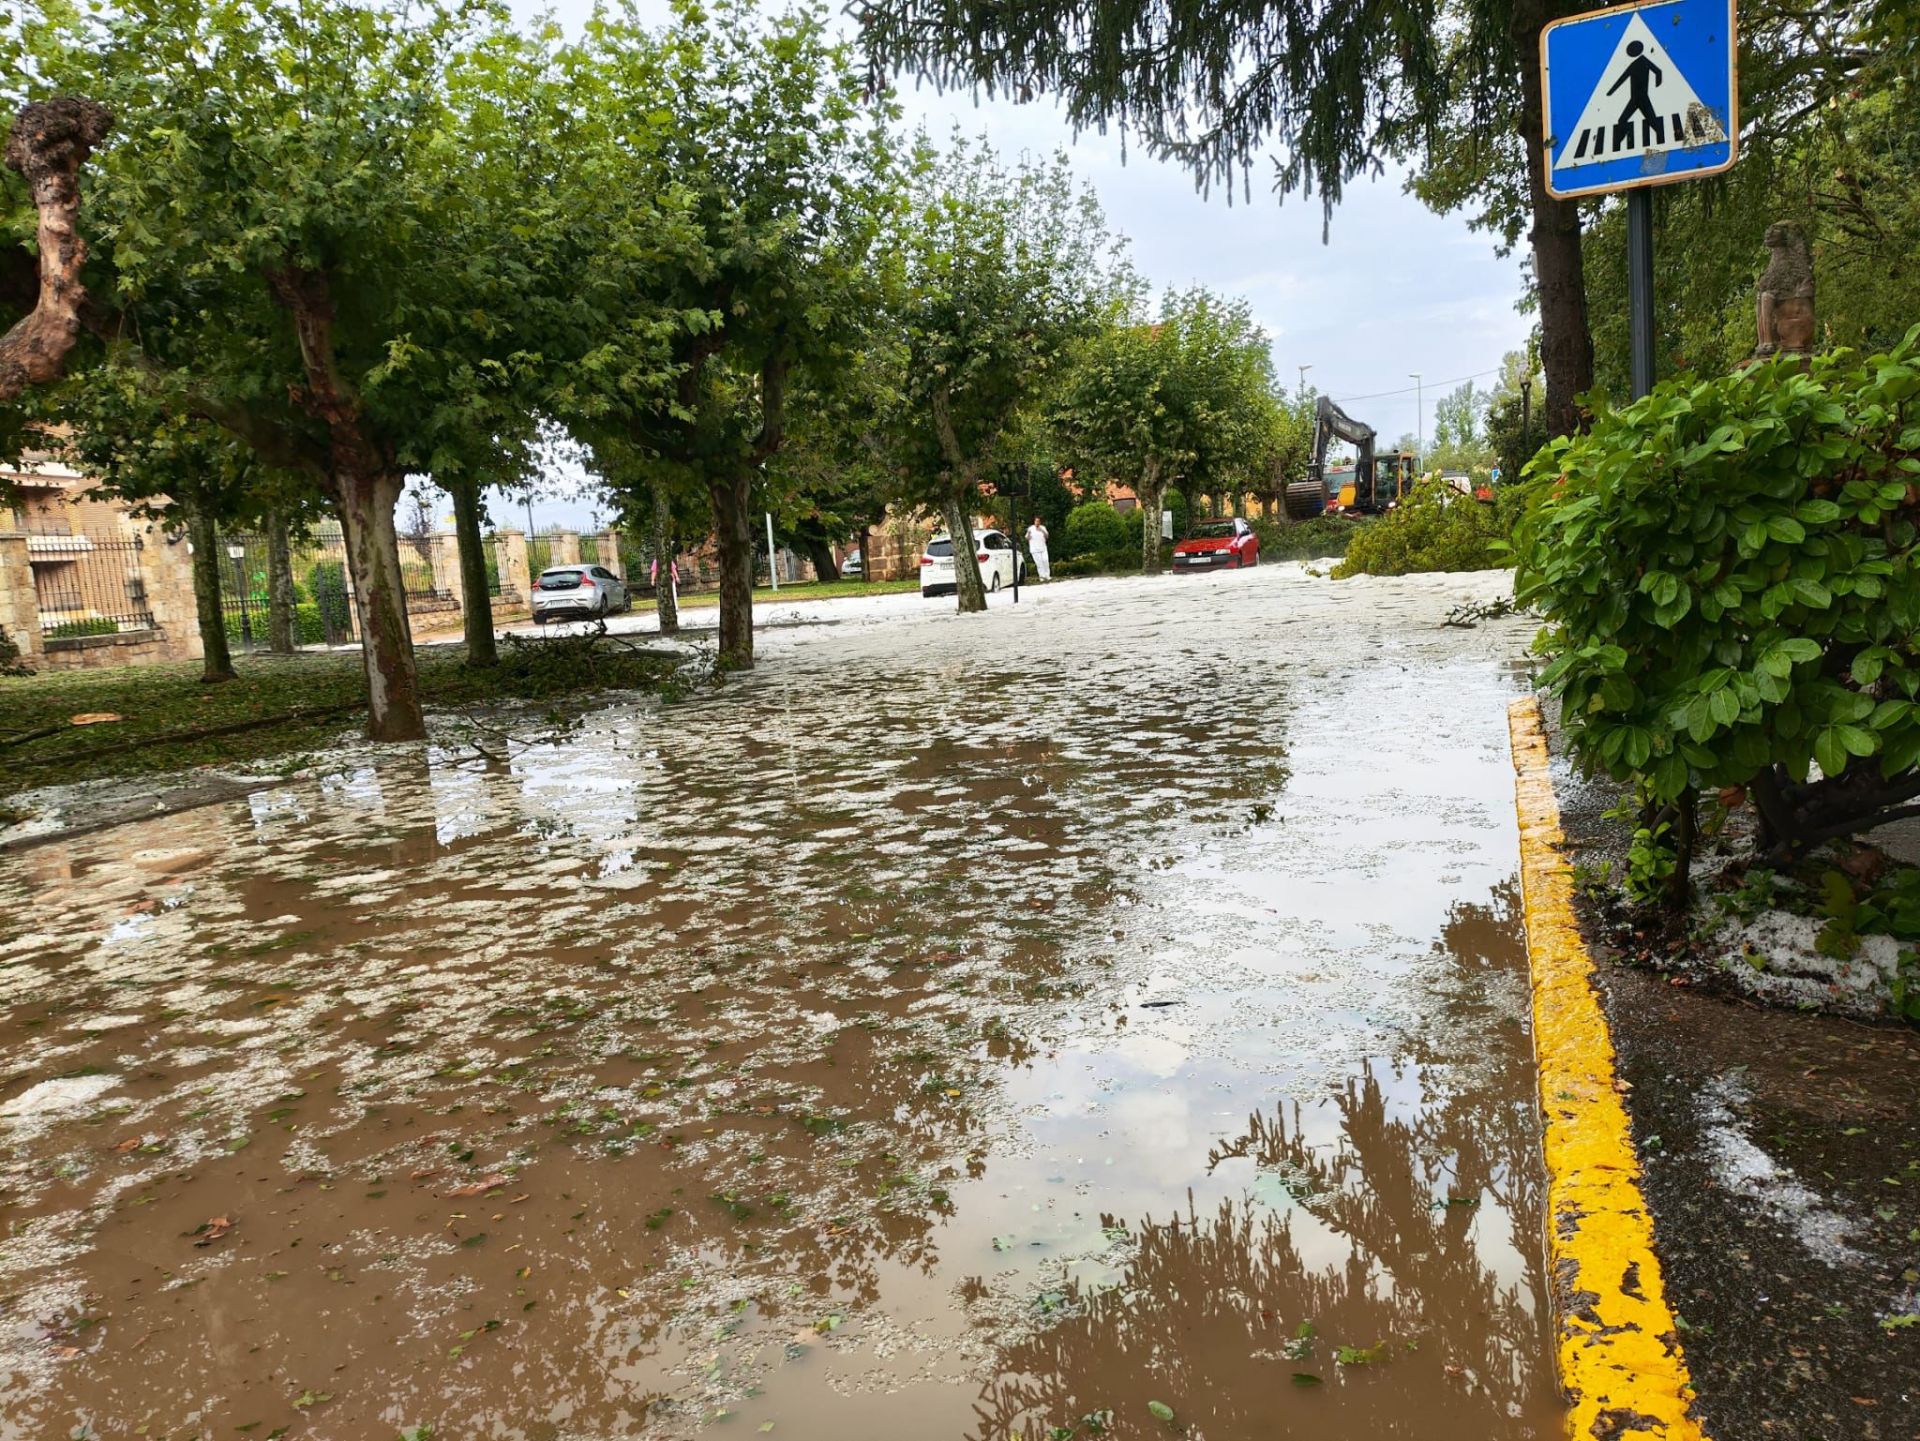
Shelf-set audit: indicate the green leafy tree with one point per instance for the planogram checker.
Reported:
(1187, 397)
(1333, 88)
(1006, 269)
(1730, 575)
(1460, 439)
(734, 181)
(302, 225)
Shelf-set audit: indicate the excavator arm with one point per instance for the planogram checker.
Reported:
(1308, 498)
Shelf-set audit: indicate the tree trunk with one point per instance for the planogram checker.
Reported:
(866, 553)
(825, 568)
(204, 536)
(365, 483)
(476, 603)
(1152, 491)
(48, 144)
(280, 603)
(366, 505)
(665, 604)
(1566, 344)
(1678, 897)
(731, 495)
(970, 592)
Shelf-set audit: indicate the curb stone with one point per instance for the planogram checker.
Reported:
(1617, 1343)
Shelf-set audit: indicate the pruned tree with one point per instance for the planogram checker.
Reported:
(1006, 269)
(734, 182)
(1187, 397)
(304, 268)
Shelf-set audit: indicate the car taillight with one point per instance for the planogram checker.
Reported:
(982, 557)
(926, 560)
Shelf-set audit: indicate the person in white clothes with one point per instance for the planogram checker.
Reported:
(1037, 548)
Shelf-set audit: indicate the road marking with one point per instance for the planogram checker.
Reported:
(1617, 1344)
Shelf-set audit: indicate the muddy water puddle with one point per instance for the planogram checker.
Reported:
(991, 1030)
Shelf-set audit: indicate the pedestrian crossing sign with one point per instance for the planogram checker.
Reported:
(1640, 94)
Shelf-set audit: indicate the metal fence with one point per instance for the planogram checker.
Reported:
(322, 603)
(89, 586)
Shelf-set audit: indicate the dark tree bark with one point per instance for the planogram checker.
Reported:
(970, 593)
(731, 495)
(280, 603)
(1566, 344)
(1678, 898)
(476, 604)
(364, 480)
(665, 604)
(49, 143)
(866, 553)
(204, 536)
(825, 567)
(1152, 492)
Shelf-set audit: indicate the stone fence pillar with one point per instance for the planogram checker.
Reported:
(19, 606)
(608, 544)
(443, 554)
(166, 570)
(565, 548)
(511, 553)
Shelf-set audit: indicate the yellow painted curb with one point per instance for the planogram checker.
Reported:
(1617, 1344)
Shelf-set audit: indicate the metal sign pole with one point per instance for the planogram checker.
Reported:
(1640, 288)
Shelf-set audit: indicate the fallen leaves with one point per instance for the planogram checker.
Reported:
(477, 1188)
(95, 717)
(212, 1229)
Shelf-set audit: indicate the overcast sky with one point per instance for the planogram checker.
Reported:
(1396, 289)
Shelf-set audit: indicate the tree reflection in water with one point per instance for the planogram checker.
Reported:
(1401, 1216)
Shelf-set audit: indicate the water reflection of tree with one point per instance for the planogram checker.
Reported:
(1416, 1225)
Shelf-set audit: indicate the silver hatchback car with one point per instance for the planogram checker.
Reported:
(578, 592)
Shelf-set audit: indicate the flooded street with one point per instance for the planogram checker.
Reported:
(1018, 1026)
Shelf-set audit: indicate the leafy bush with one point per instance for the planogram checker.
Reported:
(1096, 528)
(93, 625)
(1434, 528)
(1314, 539)
(309, 625)
(1728, 574)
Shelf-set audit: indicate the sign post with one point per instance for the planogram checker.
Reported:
(1637, 96)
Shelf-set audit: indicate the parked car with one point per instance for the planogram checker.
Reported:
(578, 592)
(852, 568)
(1218, 544)
(991, 548)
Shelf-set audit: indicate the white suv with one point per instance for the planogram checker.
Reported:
(991, 549)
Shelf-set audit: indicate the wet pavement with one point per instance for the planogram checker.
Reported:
(1026, 1025)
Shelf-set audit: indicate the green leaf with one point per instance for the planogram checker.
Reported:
(1811, 592)
(1160, 1410)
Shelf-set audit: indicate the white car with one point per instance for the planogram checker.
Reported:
(578, 592)
(991, 549)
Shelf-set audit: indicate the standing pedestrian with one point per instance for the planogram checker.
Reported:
(1037, 548)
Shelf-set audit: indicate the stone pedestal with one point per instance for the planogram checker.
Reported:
(166, 569)
(564, 547)
(19, 608)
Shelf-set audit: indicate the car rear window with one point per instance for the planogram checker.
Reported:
(1214, 530)
(940, 547)
(560, 580)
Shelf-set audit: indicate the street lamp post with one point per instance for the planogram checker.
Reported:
(238, 554)
(1419, 421)
(1303, 369)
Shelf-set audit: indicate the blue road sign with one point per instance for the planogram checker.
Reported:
(1640, 95)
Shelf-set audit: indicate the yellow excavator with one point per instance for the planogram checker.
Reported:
(1374, 483)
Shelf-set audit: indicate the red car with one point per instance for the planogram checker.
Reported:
(1217, 544)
